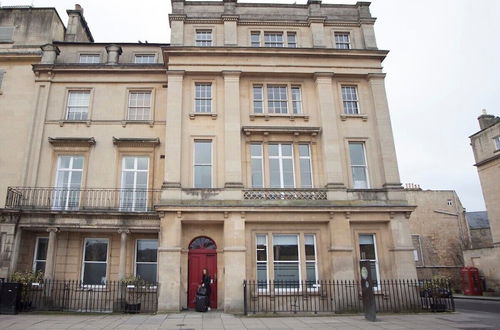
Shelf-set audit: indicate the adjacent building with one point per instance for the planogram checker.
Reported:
(439, 233)
(257, 144)
(479, 229)
(486, 147)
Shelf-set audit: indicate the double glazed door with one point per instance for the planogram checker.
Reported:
(134, 185)
(68, 182)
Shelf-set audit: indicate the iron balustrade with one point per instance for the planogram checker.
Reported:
(78, 199)
(391, 296)
(75, 296)
(285, 194)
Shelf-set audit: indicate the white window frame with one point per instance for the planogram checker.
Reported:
(299, 262)
(266, 288)
(211, 98)
(365, 166)
(37, 246)
(100, 262)
(273, 42)
(309, 158)
(261, 157)
(315, 285)
(377, 268)
(354, 101)
(211, 164)
(496, 141)
(280, 158)
(135, 170)
(145, 262)
(88, 56)
(67, 186)
(139, 58)
(290, 111)
(139, 91)
(204, 42)
(258, 42)
(342, 33)
(87, 107)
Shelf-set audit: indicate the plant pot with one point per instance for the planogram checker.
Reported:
(133, 308)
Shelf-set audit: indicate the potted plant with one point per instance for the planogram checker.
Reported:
(28, 280)
(133, 286)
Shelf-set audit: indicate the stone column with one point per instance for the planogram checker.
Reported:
(177, 28)
(402, 250)
(330, 138)
(114, 52)
(232, 130)
(51, 254)
(230, 30)
(169, 263)
(14, 255)
(388, 159)
(318, 31)
(123, 253)
(50, 53)
(341, 248)
(234, 262)
(173, 131)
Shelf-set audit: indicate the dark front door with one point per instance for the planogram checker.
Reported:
(202, 254)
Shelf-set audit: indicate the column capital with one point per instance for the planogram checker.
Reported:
(378, 75)
(176, 73)
(324, 75)
(52, 230)
(231, 73)
(123, 231)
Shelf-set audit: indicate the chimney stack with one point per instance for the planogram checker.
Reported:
(77, 29)
(486, 120)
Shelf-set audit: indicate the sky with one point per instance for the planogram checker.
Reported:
(442, 70)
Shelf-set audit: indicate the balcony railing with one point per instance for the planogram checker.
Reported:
(285, 194)
(81, 199)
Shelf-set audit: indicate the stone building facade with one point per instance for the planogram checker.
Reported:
(486, 147)
(479, 229)
(439, 232)
(258, 145)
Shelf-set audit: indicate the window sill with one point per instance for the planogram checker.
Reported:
(64, 122)
(267, 117)
(138, 122)
(345, 116)
(193, 115)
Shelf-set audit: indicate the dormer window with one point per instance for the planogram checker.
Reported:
(89, 59)
(204, 38)
(144, 59)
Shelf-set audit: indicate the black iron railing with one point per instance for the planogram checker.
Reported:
(78, 199)
(74, 296)
(391, 296)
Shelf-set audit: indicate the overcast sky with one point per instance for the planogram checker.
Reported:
(442, 69)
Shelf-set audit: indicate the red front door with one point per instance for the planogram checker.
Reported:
(198, 259)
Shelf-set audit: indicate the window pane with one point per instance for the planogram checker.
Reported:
(274, 173)
(202, 176)
(310, 249)
(273, 150)
(286, 150)
(261, 272)
(277, 99)
(286, 271)
(288, 177)
(257, 178)
(359, 178)
(96, 250)
(94, 273)
(311, 271)
(78, 162)
(367, 247)
(255, 39)
(256, 150)
(40, 266)
(285, 247)
(292, 39)
(203, 152)
(147, 250)
(41, 252)
(357, 154)
(305, 173)
(146, 272)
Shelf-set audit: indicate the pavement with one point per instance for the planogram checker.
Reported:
(218, 320)
(490, 298)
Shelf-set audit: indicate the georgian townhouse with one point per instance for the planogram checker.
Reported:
(257, 145)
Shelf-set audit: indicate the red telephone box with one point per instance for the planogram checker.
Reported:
(471, 283)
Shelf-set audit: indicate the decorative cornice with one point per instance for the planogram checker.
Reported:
(72, 141)
(177, 17)
(136, 142)
(230, 18)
